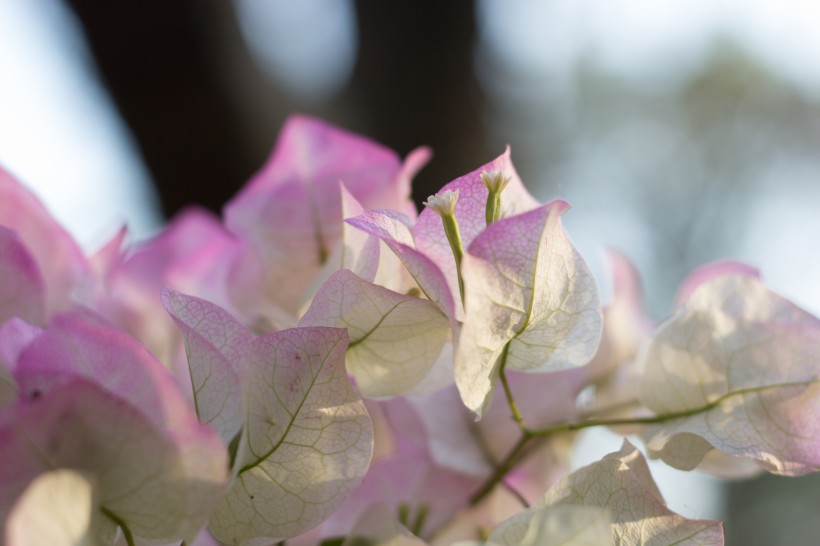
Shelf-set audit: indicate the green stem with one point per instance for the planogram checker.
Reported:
(421, 517)
(404, 514)
(501, 470)
(129, 537)
(612, 408)
(493, 210)
(515, 493)
(495, 182)
(233, 447)
(454, 238)
(516, 454)
(516, 415)
(654, 419)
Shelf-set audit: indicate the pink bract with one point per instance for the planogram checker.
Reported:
(290, 212)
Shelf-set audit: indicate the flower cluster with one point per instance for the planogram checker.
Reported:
(325, 365)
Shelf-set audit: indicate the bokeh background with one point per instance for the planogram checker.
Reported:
(682, 132)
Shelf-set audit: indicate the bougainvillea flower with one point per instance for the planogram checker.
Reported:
(299, 434)
(422, 245)
(355, 294)
(616, 370)
(530, 296)
(290, 212)
(735, 369)
(398, 232)
(428, 232)
(92, 399)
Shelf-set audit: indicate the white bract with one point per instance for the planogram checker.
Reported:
(394, 339)
(561, 525)
(304, 439)
(620, 483)
(735, 369)
(531, 303)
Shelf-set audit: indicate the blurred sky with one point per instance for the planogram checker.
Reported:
(58, 130)
(681, 131)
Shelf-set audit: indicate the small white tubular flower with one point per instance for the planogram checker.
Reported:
(495, 181)
(444, 202)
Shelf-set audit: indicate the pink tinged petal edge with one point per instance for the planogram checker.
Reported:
(742, 360)
(309, 148)
(428, 231)
(709, 271)
(530, 297)
(413, 163)
(62, 264)
(621, 483)
(194, 255)
(216, 345)
(22, 288)
(109, 256)
(393, 228)
(162, 483)
(394, 339)
(80, 344)
(309, 438)
(290, 211)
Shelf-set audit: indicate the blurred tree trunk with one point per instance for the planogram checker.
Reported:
(204, 117)
(156, 58)
(415, 79)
